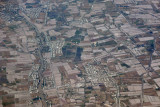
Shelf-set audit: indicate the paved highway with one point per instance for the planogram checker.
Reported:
(41, 60)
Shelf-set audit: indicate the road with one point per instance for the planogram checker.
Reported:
(41, 60)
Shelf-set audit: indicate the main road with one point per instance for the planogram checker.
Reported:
(41, 59)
